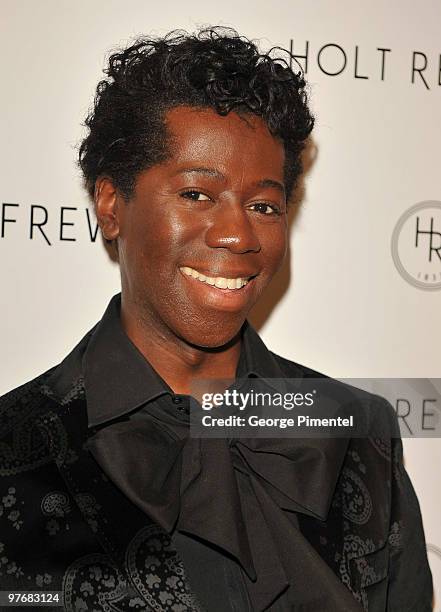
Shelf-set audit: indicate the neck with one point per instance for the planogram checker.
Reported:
(177, 361)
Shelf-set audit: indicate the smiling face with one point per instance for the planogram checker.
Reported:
(205, 230)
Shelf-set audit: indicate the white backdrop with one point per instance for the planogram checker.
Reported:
(347, 312)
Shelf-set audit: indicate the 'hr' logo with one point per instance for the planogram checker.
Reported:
(416, 245)
(430, 233)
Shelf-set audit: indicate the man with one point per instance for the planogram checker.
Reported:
(191, 158)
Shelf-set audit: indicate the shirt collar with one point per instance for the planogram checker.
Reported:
(118, 379)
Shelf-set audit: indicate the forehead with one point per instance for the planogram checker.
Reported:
(230, 143)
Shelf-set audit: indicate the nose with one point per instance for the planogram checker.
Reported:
(232, 230)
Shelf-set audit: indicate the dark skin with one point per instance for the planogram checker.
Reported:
(217, 206)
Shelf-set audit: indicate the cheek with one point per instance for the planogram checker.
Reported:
(274, 247)
(152, 242)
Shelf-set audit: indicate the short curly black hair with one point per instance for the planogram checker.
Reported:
(214, 68)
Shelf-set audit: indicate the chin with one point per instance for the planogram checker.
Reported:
(212, 334)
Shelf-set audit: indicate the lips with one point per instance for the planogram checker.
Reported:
(221, 282)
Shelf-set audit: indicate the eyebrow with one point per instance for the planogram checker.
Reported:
(271, 183)
(267, 182)
(200, 170)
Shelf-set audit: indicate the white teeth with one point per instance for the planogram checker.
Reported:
(217, 281)
(221, 282)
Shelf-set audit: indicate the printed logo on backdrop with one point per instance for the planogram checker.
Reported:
(47, 225)
(416, 402)
(416, 245)
(366, 63)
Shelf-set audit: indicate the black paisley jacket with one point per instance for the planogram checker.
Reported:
(64, 526)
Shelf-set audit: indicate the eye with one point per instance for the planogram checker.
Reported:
(266, 209)
(197, 196)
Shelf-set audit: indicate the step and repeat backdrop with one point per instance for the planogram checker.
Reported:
(360, 294)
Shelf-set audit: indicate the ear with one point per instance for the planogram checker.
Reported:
(106, 207)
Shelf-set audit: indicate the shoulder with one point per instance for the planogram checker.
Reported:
(376, 412)
(33, 423)
(23, 402)
(22, 446)
(57, 386)
(293, 369)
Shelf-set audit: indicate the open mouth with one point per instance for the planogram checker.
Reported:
(220, 282)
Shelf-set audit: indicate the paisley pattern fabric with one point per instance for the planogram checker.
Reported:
(357, 501)
(150, 550)
(25, 450)
(93, 583)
